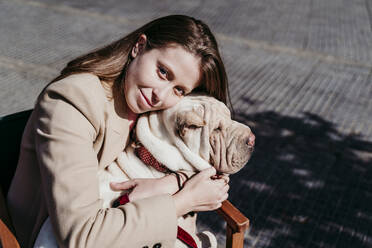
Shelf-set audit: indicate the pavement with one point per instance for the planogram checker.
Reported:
(300, 75)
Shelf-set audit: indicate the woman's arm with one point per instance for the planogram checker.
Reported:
(204, 191)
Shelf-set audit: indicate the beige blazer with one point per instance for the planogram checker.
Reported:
(73, 132)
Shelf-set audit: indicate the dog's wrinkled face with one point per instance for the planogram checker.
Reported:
(205, 126)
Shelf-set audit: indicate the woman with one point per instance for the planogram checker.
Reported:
(82, 121)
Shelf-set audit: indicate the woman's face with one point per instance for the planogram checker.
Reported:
(159, 78)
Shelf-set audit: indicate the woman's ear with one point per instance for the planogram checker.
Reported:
(139, 46)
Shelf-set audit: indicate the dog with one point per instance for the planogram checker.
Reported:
(195, 134)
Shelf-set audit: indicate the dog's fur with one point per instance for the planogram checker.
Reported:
(193, 135)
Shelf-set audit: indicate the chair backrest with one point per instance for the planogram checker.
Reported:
(11, 130)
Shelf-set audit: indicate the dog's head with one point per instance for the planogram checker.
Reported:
(205, 126)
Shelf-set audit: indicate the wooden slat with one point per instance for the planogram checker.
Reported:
(234, 239)
(234, 218)
(4, 215)
(7, 238)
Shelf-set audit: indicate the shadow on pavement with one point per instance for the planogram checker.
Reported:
(307, 185)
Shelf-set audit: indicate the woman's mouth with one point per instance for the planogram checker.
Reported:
(146, 100)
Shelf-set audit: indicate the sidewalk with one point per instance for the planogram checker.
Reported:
(300, 75)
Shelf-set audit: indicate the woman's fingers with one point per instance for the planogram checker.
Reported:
(213, 206)
(224, 197)
(216, 204)
(208, 173)
(222, 176)
(208, 207)
(116, 186)
(220, 184)
(225, 189)
(225, 177)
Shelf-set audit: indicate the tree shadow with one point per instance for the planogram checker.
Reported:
(307, 185)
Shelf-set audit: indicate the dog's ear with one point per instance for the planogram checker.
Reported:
(187, 120)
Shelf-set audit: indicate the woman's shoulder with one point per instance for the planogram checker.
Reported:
(85, 81)
(82, 91)
(83, 86)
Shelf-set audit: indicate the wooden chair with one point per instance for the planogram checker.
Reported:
(11, 129)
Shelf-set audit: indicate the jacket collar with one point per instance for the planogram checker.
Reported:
(116, 134)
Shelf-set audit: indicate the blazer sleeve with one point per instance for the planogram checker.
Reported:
(70, 115)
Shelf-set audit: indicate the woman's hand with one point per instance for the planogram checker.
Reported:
(146, 187)
(203, 192)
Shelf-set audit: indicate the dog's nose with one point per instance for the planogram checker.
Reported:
(251, 139)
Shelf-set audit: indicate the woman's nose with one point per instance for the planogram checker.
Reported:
(160, 94)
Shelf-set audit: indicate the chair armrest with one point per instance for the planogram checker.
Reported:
(233, 217)
(236, 222)
(4, 215)
(7, 238)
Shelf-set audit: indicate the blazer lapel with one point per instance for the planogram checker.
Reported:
(116, 138)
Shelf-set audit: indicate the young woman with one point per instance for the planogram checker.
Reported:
(81, 122)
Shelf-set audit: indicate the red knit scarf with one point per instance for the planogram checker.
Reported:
(149, 160)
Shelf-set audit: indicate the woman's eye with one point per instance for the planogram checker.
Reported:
(163, 71)
(179, 91)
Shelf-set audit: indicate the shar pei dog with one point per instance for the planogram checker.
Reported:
(195, 134)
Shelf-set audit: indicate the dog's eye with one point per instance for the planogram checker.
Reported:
(217, 129)
(193, 126)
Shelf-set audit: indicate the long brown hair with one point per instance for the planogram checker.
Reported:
(109, 63)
